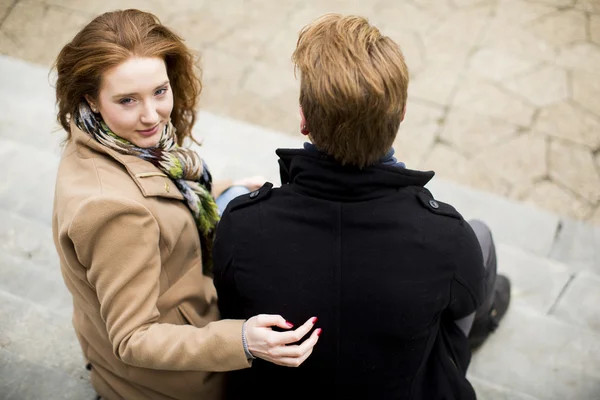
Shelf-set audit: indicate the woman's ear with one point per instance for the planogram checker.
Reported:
(91, 103)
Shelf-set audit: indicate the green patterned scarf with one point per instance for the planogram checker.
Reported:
(184, 166)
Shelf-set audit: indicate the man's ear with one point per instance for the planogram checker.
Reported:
(303, 127)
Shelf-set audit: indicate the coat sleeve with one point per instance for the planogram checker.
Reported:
(467, 291)
(117, 240)
(224, 269)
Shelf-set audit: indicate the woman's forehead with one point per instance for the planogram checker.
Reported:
(135, 75)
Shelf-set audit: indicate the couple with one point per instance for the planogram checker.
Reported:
(350, 271)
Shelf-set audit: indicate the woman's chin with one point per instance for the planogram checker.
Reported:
(147, 142)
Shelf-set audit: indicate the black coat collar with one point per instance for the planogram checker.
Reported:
(318, 175)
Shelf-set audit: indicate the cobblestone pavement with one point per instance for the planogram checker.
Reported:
(504, 96)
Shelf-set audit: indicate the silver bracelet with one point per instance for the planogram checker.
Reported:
(249, 355)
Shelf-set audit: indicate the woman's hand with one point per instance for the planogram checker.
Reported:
(252, 182)
(275, 347)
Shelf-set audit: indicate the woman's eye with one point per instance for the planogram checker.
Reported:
(126, 100)
(160, 91)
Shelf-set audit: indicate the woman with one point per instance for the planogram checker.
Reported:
(134, 218)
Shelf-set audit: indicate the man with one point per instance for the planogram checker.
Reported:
(395, 277)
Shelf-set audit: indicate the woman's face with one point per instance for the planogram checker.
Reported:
(135, 100)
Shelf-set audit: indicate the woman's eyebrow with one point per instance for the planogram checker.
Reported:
(135, 93)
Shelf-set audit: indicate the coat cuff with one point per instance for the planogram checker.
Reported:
(249, 355)
(231, 332)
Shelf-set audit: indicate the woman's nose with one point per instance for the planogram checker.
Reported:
(150, 114)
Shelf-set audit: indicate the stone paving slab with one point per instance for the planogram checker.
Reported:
(541, 356)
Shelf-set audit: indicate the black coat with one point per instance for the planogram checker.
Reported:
(385, 267)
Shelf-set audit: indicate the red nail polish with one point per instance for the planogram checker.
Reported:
(289, 324)
(319, 331)
(315, 319)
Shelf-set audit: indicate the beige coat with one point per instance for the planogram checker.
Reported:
(145, 315)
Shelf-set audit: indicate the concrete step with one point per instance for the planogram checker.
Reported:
(38, 335)
(490, 391)
(578, 303)
(548, 345)
(26, 238)
(577, 244)
(28, 105)
(29, 176)
(540, 356)
(523, 226)
(40, 284)
(34, 131)
(21, 379)
(537, 282)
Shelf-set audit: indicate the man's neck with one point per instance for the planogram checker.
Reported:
(388, 159)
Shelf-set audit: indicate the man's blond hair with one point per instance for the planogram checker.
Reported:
(353, 88)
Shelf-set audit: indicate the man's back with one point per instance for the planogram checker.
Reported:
(384, 267)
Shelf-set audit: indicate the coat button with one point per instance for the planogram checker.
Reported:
(254, 194)
(434, 204)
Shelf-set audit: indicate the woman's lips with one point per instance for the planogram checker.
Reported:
(149, 132)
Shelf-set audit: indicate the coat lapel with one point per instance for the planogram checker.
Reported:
(150, 180)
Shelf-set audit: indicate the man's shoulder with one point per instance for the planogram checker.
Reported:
(241, 218)
(250, 199)
(437, 207)
(448, 231)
